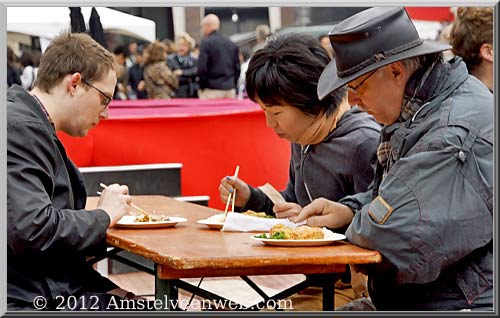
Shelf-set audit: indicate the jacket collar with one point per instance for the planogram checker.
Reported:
(23, 99)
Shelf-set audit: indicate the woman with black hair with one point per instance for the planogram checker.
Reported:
(333, 145)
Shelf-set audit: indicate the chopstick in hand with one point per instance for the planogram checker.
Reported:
(234, 192)
(231, 195)
(227, 204)
(131, 204)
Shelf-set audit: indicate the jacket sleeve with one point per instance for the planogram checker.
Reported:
(192, 71)
(35, 224)
(362, 169)
(433, 208)
(169, 77)
(237, 66)
(171, 62)
(203, 64)
(260, 202)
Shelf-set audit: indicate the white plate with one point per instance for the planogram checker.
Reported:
(213, 222)
(211, 225)
(329, 238)
(128, 221)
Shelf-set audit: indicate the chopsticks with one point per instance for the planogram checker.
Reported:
(131, 204)
(231, 195)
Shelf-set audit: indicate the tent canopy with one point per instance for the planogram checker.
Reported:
(48, 22)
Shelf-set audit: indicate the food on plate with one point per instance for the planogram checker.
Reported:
(151, 218)
(258, 214)
(303, 232)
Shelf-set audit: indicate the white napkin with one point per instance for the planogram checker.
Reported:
(238, 222)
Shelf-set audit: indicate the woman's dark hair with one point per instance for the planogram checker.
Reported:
(287, 71)
(27, 59)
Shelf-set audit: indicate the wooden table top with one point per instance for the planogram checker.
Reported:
(192, 250)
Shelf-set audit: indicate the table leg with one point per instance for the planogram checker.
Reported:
(327, 284)
(166, 292)
(329, 292)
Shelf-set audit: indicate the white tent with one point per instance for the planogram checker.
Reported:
(47, 22)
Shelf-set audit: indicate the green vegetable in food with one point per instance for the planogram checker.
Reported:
(278, 236)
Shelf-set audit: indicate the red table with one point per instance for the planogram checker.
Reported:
(209, 137)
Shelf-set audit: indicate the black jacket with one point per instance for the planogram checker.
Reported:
(135, 76)
(218, 62)
(49, 234)
(13, 76)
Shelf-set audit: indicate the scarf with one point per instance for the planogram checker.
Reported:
(421, 87)
(322, 126)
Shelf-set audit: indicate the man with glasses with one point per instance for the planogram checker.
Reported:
(105, 99)
(430, 209)
(49, 234)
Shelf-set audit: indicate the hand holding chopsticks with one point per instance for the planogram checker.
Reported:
(131, 204)
(232, 195)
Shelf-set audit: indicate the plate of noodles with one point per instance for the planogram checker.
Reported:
(143, 221)
(280, 235)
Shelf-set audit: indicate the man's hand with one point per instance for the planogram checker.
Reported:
(115, 201)
(285, 210)
(227, 186)
(323, 212)
(178, 72)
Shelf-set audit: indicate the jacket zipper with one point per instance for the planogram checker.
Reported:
(303, 154)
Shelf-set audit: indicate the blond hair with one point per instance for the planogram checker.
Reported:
(184, 36)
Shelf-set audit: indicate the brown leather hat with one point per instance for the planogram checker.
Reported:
(371, 39)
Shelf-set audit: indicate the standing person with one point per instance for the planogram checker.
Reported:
(218, 62)
(136, 75)
(160, 81)
(430, 212)
(472, 39)
(325, 135)
(325, 43)
(261, 33)
(121, 54)
(185, 66)
(30, 68)
(13, 73)
(244, 61)
(49, 234)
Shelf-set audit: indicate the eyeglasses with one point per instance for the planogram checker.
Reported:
(354, 89)
(107, 98)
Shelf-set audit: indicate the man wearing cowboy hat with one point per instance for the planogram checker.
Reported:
(430, 210)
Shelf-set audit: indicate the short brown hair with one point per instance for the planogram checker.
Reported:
(69, 53)
(473, 27)
(156, 53)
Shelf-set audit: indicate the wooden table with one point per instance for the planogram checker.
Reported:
(192, 250)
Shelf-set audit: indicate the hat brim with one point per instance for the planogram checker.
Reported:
(329, 81)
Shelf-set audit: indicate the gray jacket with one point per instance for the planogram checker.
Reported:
(340, 165)
(49, 234)
(433, 217)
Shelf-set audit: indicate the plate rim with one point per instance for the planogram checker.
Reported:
(323, 240)
(178, 219)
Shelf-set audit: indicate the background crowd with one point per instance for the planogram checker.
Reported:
(171, 68)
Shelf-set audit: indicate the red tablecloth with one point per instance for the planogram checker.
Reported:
(209, 137)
